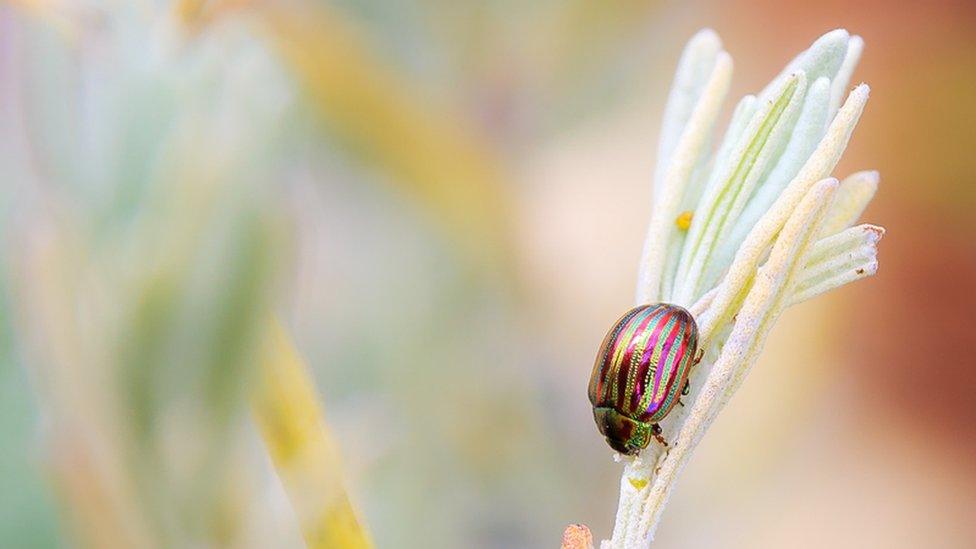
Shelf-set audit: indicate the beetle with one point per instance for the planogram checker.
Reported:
(640, 373)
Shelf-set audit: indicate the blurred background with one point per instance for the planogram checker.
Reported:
(444, 203)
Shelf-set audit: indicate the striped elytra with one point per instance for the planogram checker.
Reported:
(640, 372)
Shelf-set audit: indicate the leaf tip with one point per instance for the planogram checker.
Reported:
(706, 37)
(875, 232)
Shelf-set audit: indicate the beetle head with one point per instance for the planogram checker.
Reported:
(625, 435)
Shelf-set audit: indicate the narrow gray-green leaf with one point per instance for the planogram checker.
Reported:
(726, 196)
(823, 58)
(843, 79)
(818, 166)
(807, 133)
(686, 156)
(855, 192)
(692, 76)
(838, 259)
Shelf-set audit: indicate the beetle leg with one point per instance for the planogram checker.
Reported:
(684, 392)
(700, 355)
(656, 433)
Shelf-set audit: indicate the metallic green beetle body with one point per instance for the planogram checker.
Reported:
(640, 372)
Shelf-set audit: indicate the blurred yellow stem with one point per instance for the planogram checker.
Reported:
(289, 416)
(437, 159)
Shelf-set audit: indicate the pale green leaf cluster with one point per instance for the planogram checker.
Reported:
(770, 227)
